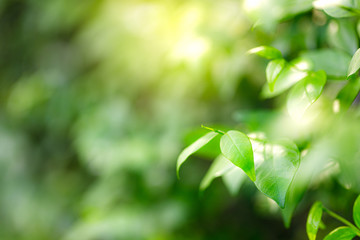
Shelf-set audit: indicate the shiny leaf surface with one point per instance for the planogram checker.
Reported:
(193, 148)
(236, 147)
(313, 220)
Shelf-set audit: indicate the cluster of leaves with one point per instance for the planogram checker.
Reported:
(274, 165)
(347, 232)
(281, 75)
(271, 165)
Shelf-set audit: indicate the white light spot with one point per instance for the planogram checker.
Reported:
(336, 106)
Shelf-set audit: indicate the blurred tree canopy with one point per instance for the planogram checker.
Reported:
(98, 97)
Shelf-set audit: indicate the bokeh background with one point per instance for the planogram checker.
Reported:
(98, 98)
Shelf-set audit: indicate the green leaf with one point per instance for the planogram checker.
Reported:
(342, 34)
(232, 176)
(339, 8)
(323, 59)
(287, 77)
(220, 166)
(313, 220)
(341, 233)
(193, 148)
(273, 70)
(347, 94)
(236, 147)
(266, 52)
(354, 64)
(305, 93)
(295, 193)
(233, 179)
(210, 151)
(356, 212)
(276, 164)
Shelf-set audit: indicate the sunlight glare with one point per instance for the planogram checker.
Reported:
(190, 48)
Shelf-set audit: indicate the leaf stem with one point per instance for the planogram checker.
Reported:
(214, 130)
(343, 220)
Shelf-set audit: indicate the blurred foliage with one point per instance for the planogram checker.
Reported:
(98, 97)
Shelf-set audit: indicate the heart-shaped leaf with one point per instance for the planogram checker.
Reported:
(276, 164)
(273, 70)
(354, 63)
(193, 148)
(305, 93)
(236, 147)
(356, 211)
(313, 220)
(266, 52)
(341, 233)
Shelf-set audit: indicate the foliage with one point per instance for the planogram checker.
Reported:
(98, 98)
(345, 232)
(323, 110)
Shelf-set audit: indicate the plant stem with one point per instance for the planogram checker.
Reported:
(343, 220)
(214, 130)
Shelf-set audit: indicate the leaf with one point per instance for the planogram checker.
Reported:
(314, 161)
(345, 147)
(337, 8)
(305, 93)
(342, 34)
(193, 148)
(210, 151)
(323, 59)
(295, 193)
(311, 165)
(266, 52)
(356, 212)
(341, 233)
(347, 94)
(233, 179)
(236, 147)
(313, 220)
(354, 64)
(273, 70)
(276, 164)
(287, 77)
(220, 166)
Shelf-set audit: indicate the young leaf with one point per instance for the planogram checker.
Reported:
(276, 164)
(287, 77)
(193, 148)
(233, 179)
(356, 212)
(323, 59)
(266, 52)
(341, 233)
(354, 63)
(305, 93)
(313, 220)
(348, 93)
(220, 166)
(273, 70)
(236, 147)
